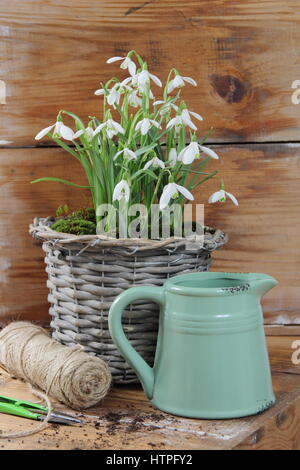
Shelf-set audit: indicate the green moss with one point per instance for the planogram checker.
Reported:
(81, 222)
(75, 226)
(86, 214)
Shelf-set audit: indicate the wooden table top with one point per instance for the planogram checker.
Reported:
(127, 420)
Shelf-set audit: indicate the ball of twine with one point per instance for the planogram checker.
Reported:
(67, 374)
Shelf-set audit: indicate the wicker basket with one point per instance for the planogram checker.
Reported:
(86, 273)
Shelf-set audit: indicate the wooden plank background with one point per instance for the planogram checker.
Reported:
(244, 55)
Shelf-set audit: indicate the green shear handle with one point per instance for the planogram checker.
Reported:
(27, 409)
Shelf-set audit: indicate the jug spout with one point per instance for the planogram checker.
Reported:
(262, 283)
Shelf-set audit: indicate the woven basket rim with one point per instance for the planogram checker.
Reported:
(40, 230)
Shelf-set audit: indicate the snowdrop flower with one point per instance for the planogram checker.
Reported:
(60, 130)
(209, 152)
(167, 106)
(134, 100)
(156, 162)
(189, 153)
(171, 191)
(178, 82)
(121, 191)
(112, 128)
(115, 93)
(179, 121)
(151, 96)
(142, 80)
(127, 63)
(145, 124)
(184, 119)
(192, 152)
(127, 153)
(99, 92)
(88, 133)
(173, 157)
(221, 197)
(186, 116)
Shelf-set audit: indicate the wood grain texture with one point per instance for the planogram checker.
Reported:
(23, 289)
(244, 55)
(278, 330)
(264, 230)
(127, 420)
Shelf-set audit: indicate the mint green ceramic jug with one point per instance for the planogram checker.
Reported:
(211, 359)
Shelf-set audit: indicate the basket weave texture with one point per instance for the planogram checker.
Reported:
(86, 273)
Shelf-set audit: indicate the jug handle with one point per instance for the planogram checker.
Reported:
(143, 370)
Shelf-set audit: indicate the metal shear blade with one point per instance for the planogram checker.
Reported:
(60, 418)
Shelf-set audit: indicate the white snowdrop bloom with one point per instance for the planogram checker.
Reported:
(175, 123)
(184, 119)
(127, 63)
(121, 191)
(192, 152)
(99, 92)
(189, 153)
(221, 197)
(186, 115)
(172, 157)
(142, 80)
(88, 133)
(111, 127)
(60, 130)
(179, 81)
(126, 81)
(209, 152)
(114, 95)
(166, 106)
(151, 96)
(171, 191)
(178, 121)
(127, 153)
(134, 100)
(145, 124)
(155, 162)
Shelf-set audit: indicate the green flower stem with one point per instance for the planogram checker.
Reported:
(96, 152)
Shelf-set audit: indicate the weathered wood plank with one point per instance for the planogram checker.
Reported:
(264, 230)
(53, 57)
(284, 352)
(127, 420)
(23, 289)
(279, 330)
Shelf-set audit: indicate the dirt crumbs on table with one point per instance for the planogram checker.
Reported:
(130, 422)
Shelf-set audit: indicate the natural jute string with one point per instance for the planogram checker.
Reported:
(37, 428)
(67, 374)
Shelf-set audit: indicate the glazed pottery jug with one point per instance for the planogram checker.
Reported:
(211, 359)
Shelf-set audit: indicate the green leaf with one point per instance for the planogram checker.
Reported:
(59, 180)
(143, 172)
(76, 119)
(65, 146)
(145, 149)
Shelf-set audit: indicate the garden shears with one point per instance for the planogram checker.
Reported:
(27, 409)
